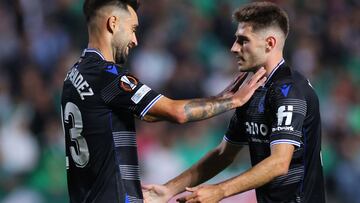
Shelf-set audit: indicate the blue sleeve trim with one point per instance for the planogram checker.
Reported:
(148, 107)
(285, 141)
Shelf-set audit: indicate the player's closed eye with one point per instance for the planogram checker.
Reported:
(134, 29)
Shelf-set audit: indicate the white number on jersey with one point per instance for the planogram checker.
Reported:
(80, 155)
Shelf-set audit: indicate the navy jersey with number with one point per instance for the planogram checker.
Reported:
(99, 102)
(285, 110)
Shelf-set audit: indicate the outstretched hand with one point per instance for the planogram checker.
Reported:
(156, 193)
(203, 194)
(234, 85)
(248, 87)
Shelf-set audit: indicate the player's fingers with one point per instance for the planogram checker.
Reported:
(257, 76)
(146, 196)
(191, 189)
(239, 81)
(239, 77)
(147, 187)
(192, 201)
(260, 82)
(187, 197)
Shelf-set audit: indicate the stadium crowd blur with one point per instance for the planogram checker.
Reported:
(184, 52)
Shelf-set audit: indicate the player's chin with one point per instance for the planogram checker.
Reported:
(121, 59)
(242, 68)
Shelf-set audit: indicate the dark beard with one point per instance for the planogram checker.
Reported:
(121, 57)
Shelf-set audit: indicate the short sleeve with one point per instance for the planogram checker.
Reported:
(288, 107)
(235, 133)
(123, 90)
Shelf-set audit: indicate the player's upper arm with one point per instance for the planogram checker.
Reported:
(121, 90)
(288, 109)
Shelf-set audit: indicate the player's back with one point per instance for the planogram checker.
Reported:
(92, 131)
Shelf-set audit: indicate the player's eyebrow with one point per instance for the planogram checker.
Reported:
(241, 37)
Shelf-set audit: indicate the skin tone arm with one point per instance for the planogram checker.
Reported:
(275, 165)
(182, 111)
(227, 92)
(219, 158)
(210, 165)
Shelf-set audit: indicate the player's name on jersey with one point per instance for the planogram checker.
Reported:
(80, 84)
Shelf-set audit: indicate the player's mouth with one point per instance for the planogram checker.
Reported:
(240, 60)
(128, 48)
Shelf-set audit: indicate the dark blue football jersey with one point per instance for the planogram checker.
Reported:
(99, 102)
(284, 110)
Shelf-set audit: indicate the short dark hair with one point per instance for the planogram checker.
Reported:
(262, 15)
(91, 6)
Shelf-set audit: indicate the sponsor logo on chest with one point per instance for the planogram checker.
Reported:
(256, 128)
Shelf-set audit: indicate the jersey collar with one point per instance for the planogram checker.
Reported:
(89, 51)
(274, 70)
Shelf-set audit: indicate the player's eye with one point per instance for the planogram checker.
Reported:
(134, 29)
(242, 40)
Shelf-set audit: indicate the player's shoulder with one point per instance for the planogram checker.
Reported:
(103, 70)
(112, 69)
(115, 75)
(289, 84)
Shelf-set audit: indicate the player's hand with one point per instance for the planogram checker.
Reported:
(203, 194)
(249, 86)
(156, 193)
(234, 85)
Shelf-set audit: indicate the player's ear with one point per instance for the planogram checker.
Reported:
(112, 23)
(270, 43)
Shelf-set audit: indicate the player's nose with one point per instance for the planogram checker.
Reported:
(235, 48)
(134, 40)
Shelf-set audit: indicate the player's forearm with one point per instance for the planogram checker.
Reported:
(206, 168)
(256, 177)
(151, 119)
(199, 109)
(183, 111)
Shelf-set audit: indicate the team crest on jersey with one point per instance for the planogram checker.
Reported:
(128, 83)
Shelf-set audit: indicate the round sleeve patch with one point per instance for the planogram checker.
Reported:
(128, 83)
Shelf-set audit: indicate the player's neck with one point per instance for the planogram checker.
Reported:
(102, 47)
(273, 63)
